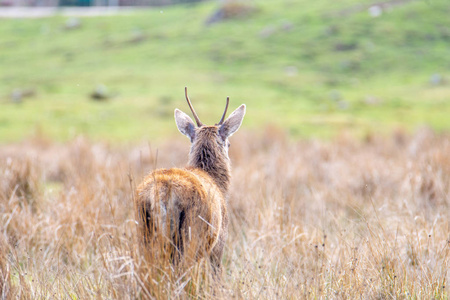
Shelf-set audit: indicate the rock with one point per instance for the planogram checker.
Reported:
(100, 93)
(345, 46)
(231, 10)
(436, 79)
(72, 23)
(18, 94)
(137, 36)
(375, 11)
(267, 31)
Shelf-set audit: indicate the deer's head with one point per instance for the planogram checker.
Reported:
(209, 144)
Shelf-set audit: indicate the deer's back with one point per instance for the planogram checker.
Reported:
(188, 198)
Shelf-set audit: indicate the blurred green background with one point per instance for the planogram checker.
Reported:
(313, 68)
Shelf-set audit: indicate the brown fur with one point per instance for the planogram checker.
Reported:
(185, 194)
(184, 211)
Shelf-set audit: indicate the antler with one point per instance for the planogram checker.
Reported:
(225, 112)
(199, 123)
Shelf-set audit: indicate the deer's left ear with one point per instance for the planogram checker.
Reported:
(185, 124)
(232, 124)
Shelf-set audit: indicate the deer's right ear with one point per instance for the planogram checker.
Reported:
(185, 124)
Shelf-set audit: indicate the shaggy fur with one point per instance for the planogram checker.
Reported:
(188, 207)
(182, 205)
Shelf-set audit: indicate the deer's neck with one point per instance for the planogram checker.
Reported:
(217, 166)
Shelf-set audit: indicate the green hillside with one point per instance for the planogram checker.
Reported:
(315, 68)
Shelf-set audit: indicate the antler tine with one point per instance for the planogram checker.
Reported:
(225, 112)
(199, 123)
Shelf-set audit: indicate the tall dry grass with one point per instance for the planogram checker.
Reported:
(309, 219)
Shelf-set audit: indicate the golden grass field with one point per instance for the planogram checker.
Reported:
(338, 219)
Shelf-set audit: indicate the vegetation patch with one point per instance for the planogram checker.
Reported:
(316, 69)
(344, 218)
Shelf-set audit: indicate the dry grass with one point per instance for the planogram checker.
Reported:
(310, 219)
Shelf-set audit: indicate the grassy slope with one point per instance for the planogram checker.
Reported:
(390, 59)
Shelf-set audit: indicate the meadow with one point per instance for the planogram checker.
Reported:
(311, 219)
(315, 69)
(341, 169)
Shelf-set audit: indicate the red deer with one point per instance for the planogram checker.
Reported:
(187, 207)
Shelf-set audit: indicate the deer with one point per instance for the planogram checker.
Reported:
(187, 207)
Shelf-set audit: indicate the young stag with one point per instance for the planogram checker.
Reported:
(186, 209)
